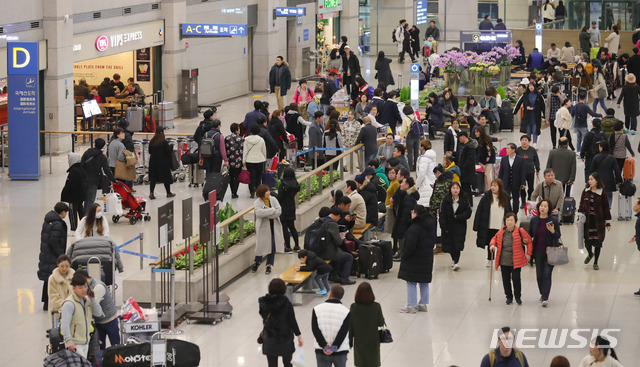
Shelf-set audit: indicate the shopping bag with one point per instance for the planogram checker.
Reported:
(112, 204)
(557, 255)
(244, 177)
(298, 357)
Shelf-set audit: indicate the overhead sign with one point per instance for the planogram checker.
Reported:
(213, 30)
(23, 110)
(421, 12)
(305, 34)
(290, 11)
(328, 6)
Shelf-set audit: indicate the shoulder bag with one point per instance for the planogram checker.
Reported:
(385, 334)
(558, 255)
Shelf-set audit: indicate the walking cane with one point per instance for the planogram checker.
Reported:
(491, 275)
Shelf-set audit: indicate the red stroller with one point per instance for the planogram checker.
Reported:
(136, 205)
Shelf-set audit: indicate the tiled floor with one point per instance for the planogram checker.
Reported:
(456, 330)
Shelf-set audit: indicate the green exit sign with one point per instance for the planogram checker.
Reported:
(330, 3)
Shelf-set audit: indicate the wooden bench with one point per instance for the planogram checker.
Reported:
(364, 233)
(296, 280)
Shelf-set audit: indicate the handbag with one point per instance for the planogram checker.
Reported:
(130, 158)
(602, 93)
(124, 172)
(261, 335)
(385, 334)
(174, 162)
(244, 177)
(298, 357)
(557, 255)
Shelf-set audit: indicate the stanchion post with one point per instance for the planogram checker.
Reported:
(2, 149)
(191, 254)
(173, 294)
(50, 158)
(315, 158)
(153, 286)
(141, 250)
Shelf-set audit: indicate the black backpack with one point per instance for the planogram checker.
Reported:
(315, 238)
(415, 129)
(393, 35)
(597, 136)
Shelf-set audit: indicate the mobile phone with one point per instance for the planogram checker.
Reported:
(90, 293)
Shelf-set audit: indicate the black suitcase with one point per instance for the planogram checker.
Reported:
(506, 118)
(56, 341)
(480, 182)
(215, 181)
(568, 210)
(387, 254)
(370, 261)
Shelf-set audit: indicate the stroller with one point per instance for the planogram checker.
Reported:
(136, 205)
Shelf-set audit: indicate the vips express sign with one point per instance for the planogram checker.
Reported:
(116, 40)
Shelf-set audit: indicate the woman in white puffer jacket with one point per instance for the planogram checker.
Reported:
(424, 171)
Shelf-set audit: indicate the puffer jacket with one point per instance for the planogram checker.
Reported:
(519, 259)
(416, 264)
(403, 203)
(100, 247)
(53, 242)
(287, 192)
(370, 196)
(440, 190)
(280, 325)
(425, 176)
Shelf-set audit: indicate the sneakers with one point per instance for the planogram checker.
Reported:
(267, 270)
(408, 309)
(545, 304)
(596, 267)
(455, 267)
(254, 267)
(588, 259)
(322, 292)
(422, 308)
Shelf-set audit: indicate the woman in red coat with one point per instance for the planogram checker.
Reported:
(594, 204)
(513, 251)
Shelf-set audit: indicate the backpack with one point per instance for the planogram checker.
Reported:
(381, 190)
(627, 188)
(149, 124)
(208, 145)
(518, 354)
(315, 238)
(393, 36)
(416, 130)
(597, 136)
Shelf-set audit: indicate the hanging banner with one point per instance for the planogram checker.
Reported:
(23, 110)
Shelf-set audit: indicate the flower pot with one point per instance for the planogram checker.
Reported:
(505, 74)
(452, 80)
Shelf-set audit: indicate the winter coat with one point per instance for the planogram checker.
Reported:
(80, 232)
(272, 148)
(279, 325)
(538, 111)
(630, 94)
(467, 161)
(53, 243)
(315, 263)
(585, 42)
(263, 216)
(568, 54)
(454, 224)
(425, 176)
(520, 236)
(74, 188)
(416, 263)
(351, 65)
(233, 144)
(550, 240)
(451, 141)
(382, 175)
(389, 114)
(369, 194)
(285, 78)
(363, 333)
(483, 217)
(287, 192)
(485, 153)
(293, 126)
(607, 166)
(316, 132)
(333, 250)
(368, 136)
(336, 143)
(602, 212)
(563, 162)
(297, 96)
(160, 163)
(95, 164)
(403, 203)
(455, 170)
(205, 125)
(254, 150)
(100, 247)
(115, 152)
(278, 133)
(608, 122)
(384, 74)
(491, 104)
(59, 288)
(619, 144)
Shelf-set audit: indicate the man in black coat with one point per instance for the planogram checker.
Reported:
(350, 67)
(389, 114)
(279, 135)
(95, 165)
(513, 174)
(467, 163)
(340, 261)
(328, 90)
(53, 243)
(590, 146)
(633, 65)
(369, 137)
(272, 147)
(203, 127)
(607, 167)
(367, 190)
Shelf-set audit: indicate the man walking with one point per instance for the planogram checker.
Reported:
(53, 243)
(513, 174)
(280, 80)
(330, 323)
(532, 167)
(580, 112)
(350, 67)
(563, 162)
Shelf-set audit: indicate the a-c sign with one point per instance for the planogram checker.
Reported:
(23, 110)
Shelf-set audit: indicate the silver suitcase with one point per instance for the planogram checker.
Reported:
(625, 207)
(135, 116)
(196, 176)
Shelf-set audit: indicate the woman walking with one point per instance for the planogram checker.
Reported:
(454, 213)
(533, 104)
(416, 262)
(115, 152)
(601, 354)
(599, 91)
(366, 317)
(59, 284)
(279, 325)
(94, 223)
(268, 228)
(160, 163)
(563, 121)
(287, 192)
(233, 144)
(512, 246)
(333, 139)
(545, 232)
(254, 155)
(492, 208)
(619, 143)
(485, 153)
(412, 139)
(384, 70)
(594, 205)
(630, 94)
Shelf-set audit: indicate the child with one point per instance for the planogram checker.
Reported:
(312, 262)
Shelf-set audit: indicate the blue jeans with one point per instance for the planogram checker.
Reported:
(531, 130)
(610, 197)
(323, 281)
(110, 329)
(595, 104)
(543, 273)
(412, 293)
(581, 132)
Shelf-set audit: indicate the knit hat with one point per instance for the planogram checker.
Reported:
(369, 171)
(630, 78)
(360, 178)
